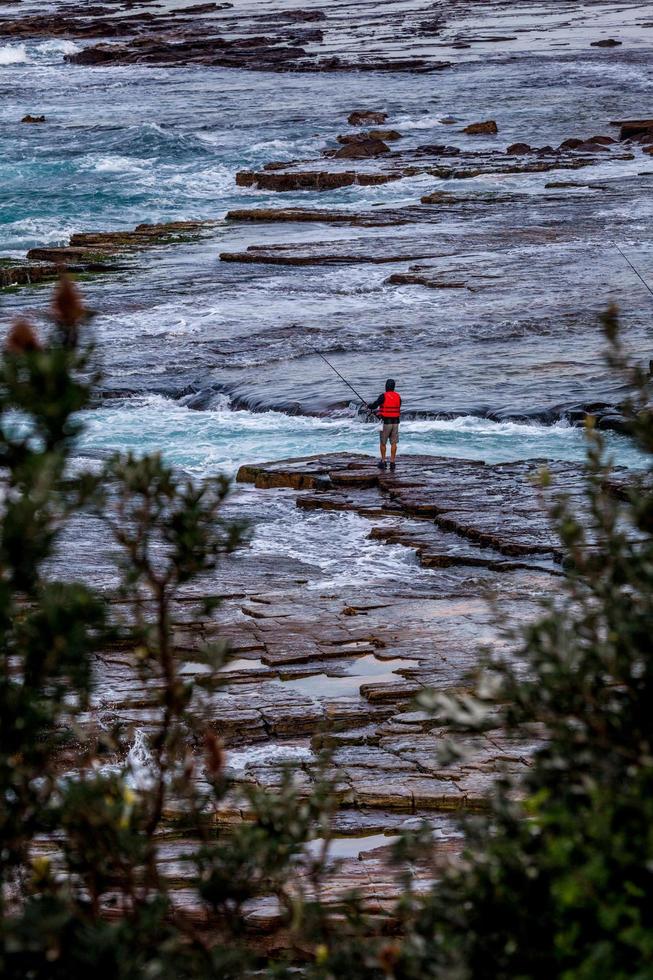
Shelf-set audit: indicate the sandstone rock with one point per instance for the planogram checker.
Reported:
(314, 180)
(362, 117)
(314, 215)
(94, 251)
(487, 128)
(630, 128)
(99, 54)
(33, 119)
(65, 255)
(390, 135)
(362, 149)
(571, 144)
(589, 147)
(516, 149)
(602, 140)
(413, 279)
(438, 149)
(26, 274)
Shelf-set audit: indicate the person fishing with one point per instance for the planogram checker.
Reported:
(388, 408)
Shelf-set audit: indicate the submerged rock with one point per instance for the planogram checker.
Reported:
(95, 251)
(313, 180)
(487, 128)
(33, 119)
(315, 215)
(385, 134)
(361, 149)
(631, 128)
(363, 117)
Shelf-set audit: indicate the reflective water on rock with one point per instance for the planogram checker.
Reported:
(347, 682)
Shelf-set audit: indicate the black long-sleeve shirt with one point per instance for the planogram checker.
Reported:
(378, 404)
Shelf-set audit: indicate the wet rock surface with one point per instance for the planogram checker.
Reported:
(478, 240)
(288, 37)
(94, 252)
(339, 667)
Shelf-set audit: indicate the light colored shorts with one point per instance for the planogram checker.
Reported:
(390, 430)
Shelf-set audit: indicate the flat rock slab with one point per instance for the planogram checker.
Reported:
(338, 669)
(96, 251)
(493, 507)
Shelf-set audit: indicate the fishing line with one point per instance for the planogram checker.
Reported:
(336, 371)
(640, 277)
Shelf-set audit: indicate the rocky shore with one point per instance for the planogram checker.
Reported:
(292, 37)
(95, 252)
(317, 668)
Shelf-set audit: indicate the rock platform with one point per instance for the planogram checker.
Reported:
(316, 667)
(292, 36)
(95, 251)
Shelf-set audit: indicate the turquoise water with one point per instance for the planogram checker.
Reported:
(220, 440)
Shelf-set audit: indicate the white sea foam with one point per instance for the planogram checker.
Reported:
(409, 123)
(116, 164)
(13, 54)
(268, 755)
(140, 763)
(58, 46)
(32, 232)
(220, 440)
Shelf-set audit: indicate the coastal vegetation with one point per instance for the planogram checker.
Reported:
(555, 875)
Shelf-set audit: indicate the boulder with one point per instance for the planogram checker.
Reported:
(363, 117)
(630, 128)
(608, 42)
(438, 149)
(314, 180)
(589, 147)
(571, 144)
(487, 128)
(385, 134)
(33, 119)
(516, 149)
(601, 140)
(440, 197)
(364, 149)
(99, 54)
(370, 134)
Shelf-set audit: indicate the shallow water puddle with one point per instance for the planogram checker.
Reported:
(272, 754)
(350, 847)
(237, 666)
(368, 669)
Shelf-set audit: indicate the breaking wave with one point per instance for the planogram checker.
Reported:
(221, 440)
(13, 54)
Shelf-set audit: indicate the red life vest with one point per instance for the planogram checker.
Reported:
(391, 407)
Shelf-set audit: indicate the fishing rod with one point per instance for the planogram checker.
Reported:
(336, 371)
(640, 277)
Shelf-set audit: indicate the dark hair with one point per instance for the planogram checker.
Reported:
(390, 385)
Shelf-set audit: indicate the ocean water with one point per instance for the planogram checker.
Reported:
(215, 364)
(220, 440)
